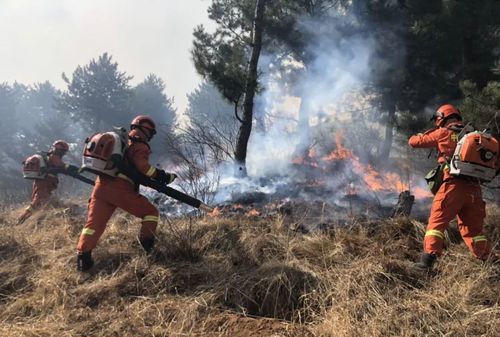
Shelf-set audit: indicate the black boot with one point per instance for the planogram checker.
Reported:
(84, 261)
(147, 244)
(426, 261)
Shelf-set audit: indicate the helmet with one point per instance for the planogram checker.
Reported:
(60, 146)
(144, 122)
(445, 112)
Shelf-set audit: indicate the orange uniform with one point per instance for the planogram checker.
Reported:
(457, 197)
(43, 188)
(110, 193)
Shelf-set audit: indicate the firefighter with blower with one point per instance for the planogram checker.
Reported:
(117, 190)
(37, 167)
(456, 195)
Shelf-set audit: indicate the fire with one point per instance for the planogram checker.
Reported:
(253, 212)
(308, 159)
(215, 213)
(340, 152)
(421, 193)
(374, 180)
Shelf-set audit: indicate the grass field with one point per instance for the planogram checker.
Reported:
(241, 277)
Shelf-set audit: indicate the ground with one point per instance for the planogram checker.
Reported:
(241, 276)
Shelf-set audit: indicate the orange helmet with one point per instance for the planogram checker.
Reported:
(445, 112)
(144, 122)
(60, 146)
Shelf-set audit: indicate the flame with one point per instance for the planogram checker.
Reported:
(215, 213)
(253, 212)
(340, 152)
(374, 180)
(309, 159)
(237, 206)
(421, 193)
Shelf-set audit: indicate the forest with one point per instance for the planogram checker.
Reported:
(300, 141)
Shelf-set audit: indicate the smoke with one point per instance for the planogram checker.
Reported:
(340, 68)
(329, 105)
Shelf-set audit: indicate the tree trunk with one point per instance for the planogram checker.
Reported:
(240, 153)
(303, 124)
(389, 128)
(404, 205)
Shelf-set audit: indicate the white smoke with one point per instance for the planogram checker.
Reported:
(334, 83)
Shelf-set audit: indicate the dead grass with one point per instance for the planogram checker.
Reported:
(240, 277)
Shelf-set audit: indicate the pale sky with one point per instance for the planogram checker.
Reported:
(40, 39)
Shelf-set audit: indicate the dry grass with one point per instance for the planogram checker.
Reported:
(247, 277)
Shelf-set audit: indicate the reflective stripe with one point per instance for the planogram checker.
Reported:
(151, 171)
(479, 238)
(434, 232)
(124, 177)
(88, 231)
(151, 218)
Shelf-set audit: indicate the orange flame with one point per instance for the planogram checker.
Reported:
(421, 193)
(215, 213)
(340, 151)
(253, 212)
(374, 180)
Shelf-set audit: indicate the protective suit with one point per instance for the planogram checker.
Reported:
(110, 193)
(43, 188)
(457, 196)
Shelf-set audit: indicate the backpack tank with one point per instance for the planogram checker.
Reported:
(475, 156)
(102, 148)
(34, 166)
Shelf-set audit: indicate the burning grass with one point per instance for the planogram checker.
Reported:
(243, 276)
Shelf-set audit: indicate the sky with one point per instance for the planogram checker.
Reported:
(41, 39)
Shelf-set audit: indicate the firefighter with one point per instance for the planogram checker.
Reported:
(457, 196)
(110, 193)
(43, 188)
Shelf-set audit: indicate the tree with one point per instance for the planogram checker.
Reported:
(211, 123)
(47, 124)
(33, 125)
(240, 153)
(149, 98)
(98, 95)
(222, 57)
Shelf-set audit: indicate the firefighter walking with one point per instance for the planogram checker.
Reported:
(43, 187)
(457, 196)
(110, 193)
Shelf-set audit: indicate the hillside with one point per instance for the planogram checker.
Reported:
(240, 276)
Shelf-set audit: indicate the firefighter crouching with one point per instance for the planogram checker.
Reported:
(44, 185)
(457, 196)
(110, 193)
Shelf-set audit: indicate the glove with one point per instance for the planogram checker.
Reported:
(164, 177)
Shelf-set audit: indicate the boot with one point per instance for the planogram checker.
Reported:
(426, 262)
(84, 261)
(147, 244)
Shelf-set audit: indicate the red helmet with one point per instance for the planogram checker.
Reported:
(61, 146)
(447, 111)
(145, 122)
